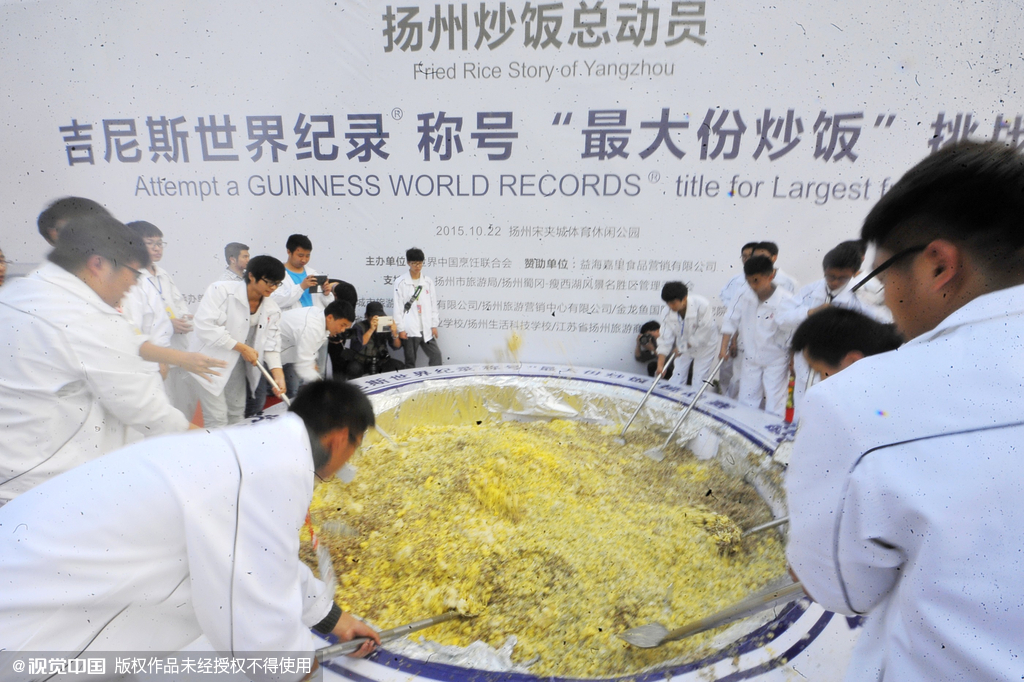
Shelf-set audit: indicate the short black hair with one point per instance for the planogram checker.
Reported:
(298, 241)
(770, 247)
(414, 255)
(674, 291)
(829, 334)
(845, 256)
(98, 234)
(343, 291)
(265, 267)
(341, 310)
(58, 214)
(145, 229)
(861, 245)
(758, 265)
(329, 405)
(750, 245)
(233, 250)
(970, 193)
(651, 326)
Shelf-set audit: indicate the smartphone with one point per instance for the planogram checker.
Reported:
(320, 281)
(384, 323)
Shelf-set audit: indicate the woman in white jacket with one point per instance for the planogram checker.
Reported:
(239, 320)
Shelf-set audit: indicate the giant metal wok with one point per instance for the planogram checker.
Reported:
(797, 639)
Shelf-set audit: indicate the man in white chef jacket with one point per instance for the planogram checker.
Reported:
(304, 333)
(687, 328)
(907, 476)
(765, 348)
(839, 266)
(239, 323)
(729, 374)
(71, 377)
(172, 538)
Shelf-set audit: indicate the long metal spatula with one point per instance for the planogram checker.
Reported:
(765, 526)
(345, 648)
(658, 453)
(656, 634)
(657, 378)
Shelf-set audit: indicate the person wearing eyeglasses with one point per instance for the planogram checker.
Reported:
(840, 265)
(158, 308)
(174, 539)
(239, 323)
(906, 478)
(72, 379)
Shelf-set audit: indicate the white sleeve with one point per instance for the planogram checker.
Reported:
(792, 312)
(210, 321)
(161, 330)
(178, 303)
(250, 590)
(271, 351)
(870, 564)
(851, 301)
(816, 481)
(122, 381)
(731, 322)
(667, 335)
(133, 308)
(307, 348)
(317, 601)
(398, 313)
(288, 294)
(705, 332)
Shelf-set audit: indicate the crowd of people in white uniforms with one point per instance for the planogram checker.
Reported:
(763, 309)
(903, 487)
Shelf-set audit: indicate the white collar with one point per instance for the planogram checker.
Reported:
(996, 304)
(58, 276)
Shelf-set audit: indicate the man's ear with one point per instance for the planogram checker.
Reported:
(850, 358)
(944, 261)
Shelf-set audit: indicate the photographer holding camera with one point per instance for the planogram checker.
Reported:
(646, 350)
(370, 348)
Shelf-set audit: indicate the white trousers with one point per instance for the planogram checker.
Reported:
(729, 376)
(769, 382)
(702, 365)
(227, 407)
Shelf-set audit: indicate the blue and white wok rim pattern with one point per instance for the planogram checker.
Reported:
(794, 629)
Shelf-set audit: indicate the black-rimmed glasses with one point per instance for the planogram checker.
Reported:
(889, 262)
(137, 273)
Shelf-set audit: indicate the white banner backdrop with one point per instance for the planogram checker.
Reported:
(557, 161)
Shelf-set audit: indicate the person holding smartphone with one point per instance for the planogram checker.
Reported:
(370, 347)
(302, 286)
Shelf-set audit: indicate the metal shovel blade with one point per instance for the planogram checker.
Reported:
(657, 454)
(386, 436)
(335, 527)
(655, 634)
(645, 636)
